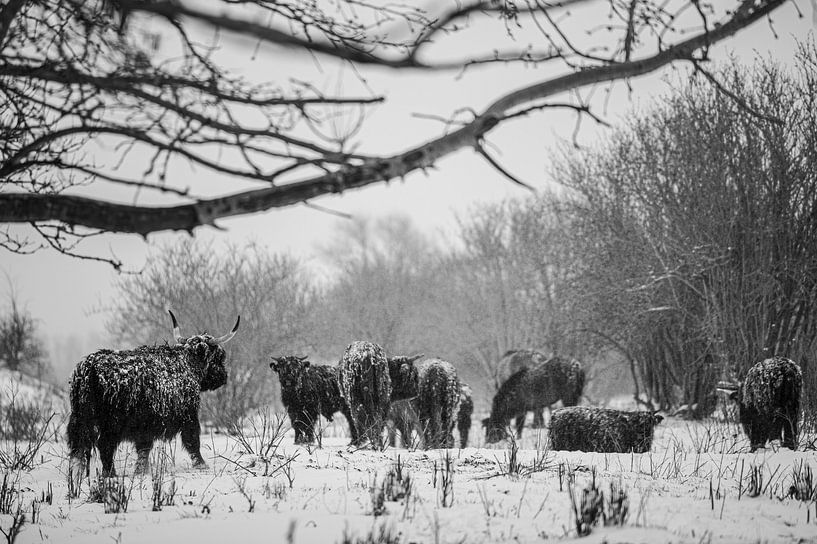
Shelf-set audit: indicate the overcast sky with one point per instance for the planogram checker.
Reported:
(66, 294)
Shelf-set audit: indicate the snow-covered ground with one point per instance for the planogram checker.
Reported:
(694, 486)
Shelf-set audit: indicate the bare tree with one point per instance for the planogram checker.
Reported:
(144, 79)
(383, 271)
(21, 349)
(506, 284)
(207, 287)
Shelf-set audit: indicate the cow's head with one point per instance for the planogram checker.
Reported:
(206, 354)
(405, 379)
(290, 369)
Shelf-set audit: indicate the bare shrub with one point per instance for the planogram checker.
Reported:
(617, 506)
(164, 487)
(9, 492)
(18, 519)
(803, 486)
(260, 436)
(113, 492)
(381, 535)
(593, 508)
(25, 425)
(446, 480)
(713, 436)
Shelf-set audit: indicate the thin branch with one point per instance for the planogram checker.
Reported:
(735, 98)
(481, 150)
(78, 210)
(330, 211)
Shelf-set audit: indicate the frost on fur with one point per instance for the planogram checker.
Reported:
(365, 385)
(437, 402)
(307, 391)
(140, 396)
(584, 428)
(769, 402)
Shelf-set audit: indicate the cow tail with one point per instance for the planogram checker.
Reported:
(81, 429)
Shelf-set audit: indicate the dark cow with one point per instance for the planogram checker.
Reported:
(140, 396)
(405, 382)
(307, 392)
(769, 402)
(404, 377)
(365, 385)
(513, 361)
(404, 417)
(583, 428)
(438, 402)
(531, 389)
(464, 413)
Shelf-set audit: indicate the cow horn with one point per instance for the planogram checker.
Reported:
(415, 357)
(727, 386)
(227, 337)
(177, 336)
(304, 358)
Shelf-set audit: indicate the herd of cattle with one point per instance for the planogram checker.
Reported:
(153, 393)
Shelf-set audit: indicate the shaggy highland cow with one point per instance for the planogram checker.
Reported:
(438, 402)
(464, 413)
(583, 428)
(513, 361)
(365, 385)
(404, 417)
(307, 392)
(404, 376)
(405, 386)
(769, 402)
(140, 396)
(531, 389)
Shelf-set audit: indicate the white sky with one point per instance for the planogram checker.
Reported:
(66, 294)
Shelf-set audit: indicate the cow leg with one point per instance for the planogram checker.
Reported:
(192, 444)
(302, 426)
(757, 437)
(464, 436)
(405, 427)
(143, 447)
(392, 435)
(789, 432)
(309, 427)
(78, 466)
(520, 423)
(352, 428)
(538, 418)
(375, 431)
(107, 448)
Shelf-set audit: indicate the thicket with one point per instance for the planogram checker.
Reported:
(696, 226)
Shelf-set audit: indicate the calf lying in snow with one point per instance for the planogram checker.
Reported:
(582, 428)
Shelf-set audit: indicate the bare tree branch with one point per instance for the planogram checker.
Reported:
(104, 82)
